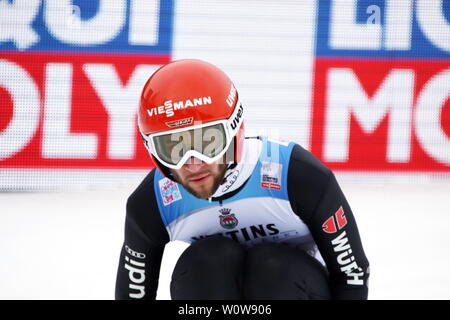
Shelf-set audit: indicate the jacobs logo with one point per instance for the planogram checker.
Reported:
(227, 219)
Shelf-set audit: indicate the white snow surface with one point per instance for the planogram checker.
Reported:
(65, 245)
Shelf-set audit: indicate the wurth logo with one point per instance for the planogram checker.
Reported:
(336, 222)
(347, 261)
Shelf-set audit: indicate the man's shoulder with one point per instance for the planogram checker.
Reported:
(144, 193)
(301, 162)
(304, 162)
(308, 180)
(143, 211)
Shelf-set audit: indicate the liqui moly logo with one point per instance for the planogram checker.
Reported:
(114, 26)
(71, 72)
(382, 82)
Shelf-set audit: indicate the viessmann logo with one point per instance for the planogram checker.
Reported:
(169, 107)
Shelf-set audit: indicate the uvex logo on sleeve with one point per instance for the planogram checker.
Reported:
(335, 222)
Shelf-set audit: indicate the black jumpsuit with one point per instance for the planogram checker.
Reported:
(219, 268)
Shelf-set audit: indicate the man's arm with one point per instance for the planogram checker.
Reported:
(317, 198)
(142, 250)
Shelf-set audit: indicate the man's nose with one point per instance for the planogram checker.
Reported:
(193, 164)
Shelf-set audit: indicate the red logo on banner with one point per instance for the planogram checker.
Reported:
(395, 119)
(336, 222)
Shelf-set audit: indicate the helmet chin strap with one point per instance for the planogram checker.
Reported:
(229, 170)
(231, 164)
(238, 173)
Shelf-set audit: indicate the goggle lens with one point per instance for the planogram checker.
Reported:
(209, 141)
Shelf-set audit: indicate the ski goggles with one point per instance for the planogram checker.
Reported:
(207, 142)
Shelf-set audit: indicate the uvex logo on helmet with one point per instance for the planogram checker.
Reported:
(170, 107)
(237, 118)
(231, 96)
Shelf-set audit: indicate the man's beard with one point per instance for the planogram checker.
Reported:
(205, 194)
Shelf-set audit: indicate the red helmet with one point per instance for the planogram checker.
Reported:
(190, 108)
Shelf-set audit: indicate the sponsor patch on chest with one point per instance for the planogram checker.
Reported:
(227, 219)
(169, 191)
(271, 175)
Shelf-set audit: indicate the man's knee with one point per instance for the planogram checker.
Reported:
(275, 271)
(210, 268)
(215, 250)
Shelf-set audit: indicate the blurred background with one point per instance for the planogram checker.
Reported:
(363, 84)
